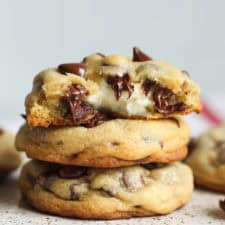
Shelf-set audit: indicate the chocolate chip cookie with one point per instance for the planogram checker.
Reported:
(118, 142)
(106, 193)
(207, 159)
(104, 87)
(9, 157)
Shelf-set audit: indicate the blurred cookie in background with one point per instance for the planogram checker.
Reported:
(9, 157)
(207, 159)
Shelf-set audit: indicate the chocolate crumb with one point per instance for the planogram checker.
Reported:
(164, 99)
(222, 204)
(140, 56)
(74, 68)
(120, 84)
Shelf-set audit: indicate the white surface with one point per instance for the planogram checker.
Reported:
(203, 209)
(44, 33)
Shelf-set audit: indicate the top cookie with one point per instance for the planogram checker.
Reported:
(101, 86)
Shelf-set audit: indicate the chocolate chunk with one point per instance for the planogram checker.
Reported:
(69, 172)
(75, 68)
(76, 108)
(222, 204)
(140, 56)
(120, 84)
(164, 99)
(1, 131)
(79, 111)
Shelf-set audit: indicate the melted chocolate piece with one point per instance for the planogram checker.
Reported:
(163, 98)
(74, 68)
(120, 84)
(140, 56)
(222, 204)
(69, 172)
(78, 110)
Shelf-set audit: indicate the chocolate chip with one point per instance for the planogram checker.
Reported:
(164, 99)
(74, 68)
(120, 84)
(222, 204)
(140, 56)
(1, 131)
(70, 172)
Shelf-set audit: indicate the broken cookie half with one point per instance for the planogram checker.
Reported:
(103, 87)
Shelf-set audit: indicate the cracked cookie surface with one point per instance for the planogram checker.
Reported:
(106, 193)
(9, 157)
(115, 143)
(207, 159)
(104, 87)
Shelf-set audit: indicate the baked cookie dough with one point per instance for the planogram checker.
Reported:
(115, 143)
(9, 157)
(207, 159)
(106, 193)
(102, 87)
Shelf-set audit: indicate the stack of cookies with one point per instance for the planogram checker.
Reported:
(105, 135)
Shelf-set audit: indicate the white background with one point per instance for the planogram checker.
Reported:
(39, 34)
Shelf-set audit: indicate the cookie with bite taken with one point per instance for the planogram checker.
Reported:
(104, 87)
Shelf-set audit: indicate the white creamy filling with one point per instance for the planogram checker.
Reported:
(105, 98)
